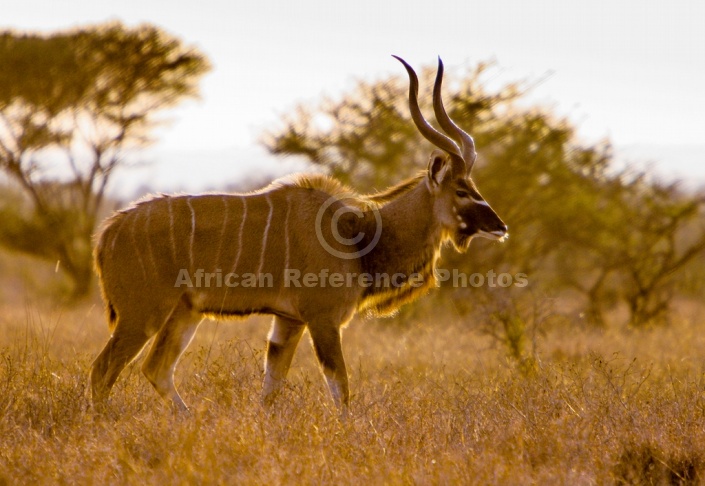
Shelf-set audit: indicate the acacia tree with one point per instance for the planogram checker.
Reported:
(575, 222)
(640, 237)
(72, 104)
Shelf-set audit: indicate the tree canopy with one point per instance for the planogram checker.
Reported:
(577, 224)
(71, 104)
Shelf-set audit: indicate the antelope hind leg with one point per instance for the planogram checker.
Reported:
(171, 341)
(327, 344)
(281, 346)
(127, 340)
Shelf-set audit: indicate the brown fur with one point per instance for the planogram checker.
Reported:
(159, 263)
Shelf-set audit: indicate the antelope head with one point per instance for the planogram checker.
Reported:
(458, 205)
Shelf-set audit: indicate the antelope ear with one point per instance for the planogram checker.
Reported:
(438, 166)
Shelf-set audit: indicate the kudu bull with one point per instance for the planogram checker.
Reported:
(247, 254)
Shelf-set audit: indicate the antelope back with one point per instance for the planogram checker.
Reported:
(232, 254)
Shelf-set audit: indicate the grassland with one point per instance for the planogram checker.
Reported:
(438, 401)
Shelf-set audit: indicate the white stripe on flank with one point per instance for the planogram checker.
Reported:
(117, 232)
(171, 228)
(266, 233)
(135, 245)
(286, 233)
(239, 233)
(149, 241)
(193, 234)
(222, 234)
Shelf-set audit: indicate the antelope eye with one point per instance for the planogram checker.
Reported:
(461, 193)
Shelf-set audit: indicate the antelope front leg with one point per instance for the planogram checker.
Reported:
(283, 338)
(327, 344)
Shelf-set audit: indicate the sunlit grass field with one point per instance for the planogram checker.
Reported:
(439, 401)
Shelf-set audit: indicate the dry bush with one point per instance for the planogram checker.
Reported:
(436, 402)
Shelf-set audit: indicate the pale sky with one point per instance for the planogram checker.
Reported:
(629, 70)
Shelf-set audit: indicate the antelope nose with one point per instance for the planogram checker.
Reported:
(502, 231)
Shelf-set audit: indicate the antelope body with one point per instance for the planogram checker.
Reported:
(166, 262)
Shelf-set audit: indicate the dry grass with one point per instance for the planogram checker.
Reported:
(434, 403)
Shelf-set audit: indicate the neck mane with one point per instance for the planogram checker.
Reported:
(409, 246)
(409, 243)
